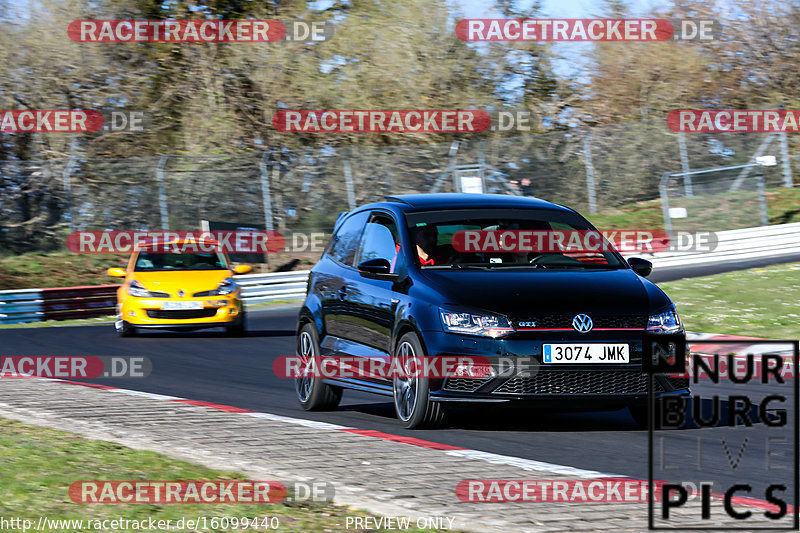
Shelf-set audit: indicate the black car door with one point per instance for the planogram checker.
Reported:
(371, 301)
(334, 282)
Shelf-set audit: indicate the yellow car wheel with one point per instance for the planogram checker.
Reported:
(124, 329)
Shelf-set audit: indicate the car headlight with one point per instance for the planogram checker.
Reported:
(137, 289)
(666, 321)
(227, 286)
(488, 325)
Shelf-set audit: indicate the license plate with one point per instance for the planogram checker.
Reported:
(586, 353)
(181, 305)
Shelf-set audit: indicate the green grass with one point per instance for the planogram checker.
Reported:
(37, 466)
(759, 302)
(58, 269)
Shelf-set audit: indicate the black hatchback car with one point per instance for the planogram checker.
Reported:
(393, 283)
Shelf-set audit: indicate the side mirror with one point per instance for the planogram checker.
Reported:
(643, 267)
(116, 272)
(378, 268)
(242, 269)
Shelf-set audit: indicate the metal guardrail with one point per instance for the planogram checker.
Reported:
(60, 303)
(65, 303)
(736, 245)
(260, 288)
(33, 305)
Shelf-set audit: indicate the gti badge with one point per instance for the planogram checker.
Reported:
(582, 323)
(181, 293)
(527, 324)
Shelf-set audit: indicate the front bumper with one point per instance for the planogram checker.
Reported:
(147, 312)
(520, 375)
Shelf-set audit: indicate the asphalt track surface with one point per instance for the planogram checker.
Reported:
(208, 366)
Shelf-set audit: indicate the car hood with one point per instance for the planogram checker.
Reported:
(523, 293)
(188, 280)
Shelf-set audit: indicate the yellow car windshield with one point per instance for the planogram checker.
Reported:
(152, 262)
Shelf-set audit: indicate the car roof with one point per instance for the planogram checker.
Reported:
(426, 202)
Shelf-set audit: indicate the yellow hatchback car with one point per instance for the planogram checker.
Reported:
(179, 290)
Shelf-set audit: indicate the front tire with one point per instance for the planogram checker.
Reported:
(412, 402)
(124, 329)
(239, 329)
(312, 393)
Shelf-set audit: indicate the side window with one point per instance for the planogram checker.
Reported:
(345, 242)
(379, 240)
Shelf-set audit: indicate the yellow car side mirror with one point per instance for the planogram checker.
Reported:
(242, 269)
(116, 272)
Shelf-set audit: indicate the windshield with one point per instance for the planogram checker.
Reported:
(152, 262)
(538, 239)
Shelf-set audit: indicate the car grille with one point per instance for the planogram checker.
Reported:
(204, 293)
(464, 384)
(599, 321)
(576, 382)
(181, 314)
(158, 294)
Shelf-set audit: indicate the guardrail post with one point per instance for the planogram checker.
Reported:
(67, 180)
(768, 138)
(662, 191)
(785, 161)
(266, 195)
(587, 156)
(162, 192)
(348, 182)
(762, 196)
(687, 179)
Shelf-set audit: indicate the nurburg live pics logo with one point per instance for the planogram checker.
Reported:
(746, 430)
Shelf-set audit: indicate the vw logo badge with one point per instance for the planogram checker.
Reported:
(181, 293)
(582, 323)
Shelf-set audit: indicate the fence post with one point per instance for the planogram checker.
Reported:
(762, 196)
(587, 156)
(348, 182)
(687, 179)
(67, 180)
(162, 192)
(768, 138)
(451, 165)
(786, 162)
(662, 191)
(266, 195)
